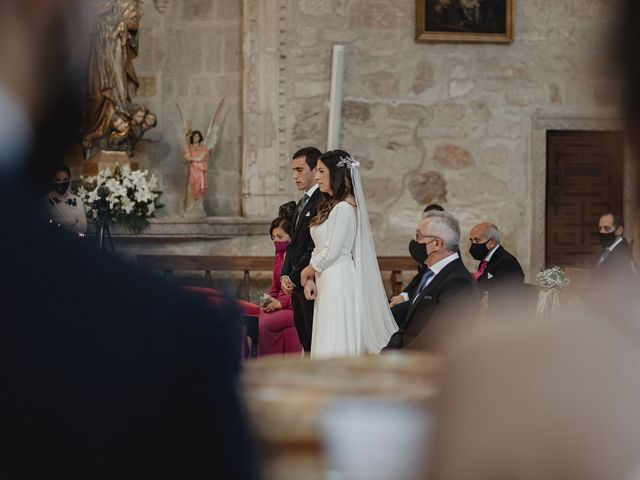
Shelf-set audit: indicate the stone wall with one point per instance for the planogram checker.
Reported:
(448, 123)
(191, 53)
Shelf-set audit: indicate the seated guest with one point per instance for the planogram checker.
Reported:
(65, 208)
(498, 270)
(446, 291)
(614, 261)
(278, 334)
(399, 307)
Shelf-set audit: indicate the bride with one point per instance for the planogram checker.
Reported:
(351, 314)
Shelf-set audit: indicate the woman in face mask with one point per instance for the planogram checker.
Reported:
(277, 332)
(66, 209)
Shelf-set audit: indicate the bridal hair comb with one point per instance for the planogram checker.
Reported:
(348, 162)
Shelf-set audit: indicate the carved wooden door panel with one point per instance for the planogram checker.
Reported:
(584, 180)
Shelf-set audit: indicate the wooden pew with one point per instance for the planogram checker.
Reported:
(176, 263)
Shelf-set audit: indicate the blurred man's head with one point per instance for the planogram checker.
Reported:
(41, 46)
(43, 60)
(626, 53)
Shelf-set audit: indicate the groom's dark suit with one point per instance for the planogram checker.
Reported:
(448, 298)
(297, 258)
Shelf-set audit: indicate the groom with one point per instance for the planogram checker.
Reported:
(299, 250)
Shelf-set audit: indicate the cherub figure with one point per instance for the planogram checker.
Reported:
(142, 120)
(195, 155)
(118, 138)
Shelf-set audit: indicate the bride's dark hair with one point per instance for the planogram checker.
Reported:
(340, 181)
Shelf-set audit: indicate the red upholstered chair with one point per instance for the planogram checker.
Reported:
(251, 311)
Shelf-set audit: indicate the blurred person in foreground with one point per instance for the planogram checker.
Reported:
(552, 399)
(106, 373)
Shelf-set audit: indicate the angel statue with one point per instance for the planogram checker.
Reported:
(195, 155)
(112, 80)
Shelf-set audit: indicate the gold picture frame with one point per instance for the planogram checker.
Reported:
(474, 21)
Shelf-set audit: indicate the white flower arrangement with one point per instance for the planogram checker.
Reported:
(553, 278)
(132, 197)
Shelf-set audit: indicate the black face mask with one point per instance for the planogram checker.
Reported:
(418, 251)
(61, 188)
(607, 239)
(479, 250)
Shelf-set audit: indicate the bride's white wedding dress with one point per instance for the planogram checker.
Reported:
(351, 314)
(336, 325)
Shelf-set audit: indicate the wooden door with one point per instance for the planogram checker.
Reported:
(584, 180)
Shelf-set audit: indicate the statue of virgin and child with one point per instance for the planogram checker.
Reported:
(112, 122)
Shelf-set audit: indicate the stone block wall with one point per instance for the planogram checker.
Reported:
(191, 53)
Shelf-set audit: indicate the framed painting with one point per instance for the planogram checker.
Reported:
(464, 21)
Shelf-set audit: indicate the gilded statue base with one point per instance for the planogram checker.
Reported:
(99, 161)
(104, 159)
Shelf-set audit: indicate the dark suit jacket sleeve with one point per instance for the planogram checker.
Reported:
(296, 270)
(508, 271)
(293, 270)
(457, 305)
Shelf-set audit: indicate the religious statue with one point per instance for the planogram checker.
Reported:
(195, 155)
(112, 80)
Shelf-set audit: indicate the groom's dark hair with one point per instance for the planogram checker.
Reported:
(310, 154)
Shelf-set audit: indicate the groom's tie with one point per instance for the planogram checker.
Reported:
(300, 207)
(428, 273)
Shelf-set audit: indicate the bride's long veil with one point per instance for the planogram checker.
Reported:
(372, 307)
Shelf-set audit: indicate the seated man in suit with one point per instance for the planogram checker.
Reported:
(399, 304)
(499, 273)
(614, 261)
(446, 293)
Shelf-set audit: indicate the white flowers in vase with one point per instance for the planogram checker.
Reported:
(132, 197)
(553, 278)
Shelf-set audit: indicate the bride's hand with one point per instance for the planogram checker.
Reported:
(308, 273)
(310, 290)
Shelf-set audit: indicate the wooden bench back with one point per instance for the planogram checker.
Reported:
(177, 263)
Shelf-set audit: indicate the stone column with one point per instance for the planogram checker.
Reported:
(265, 157)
